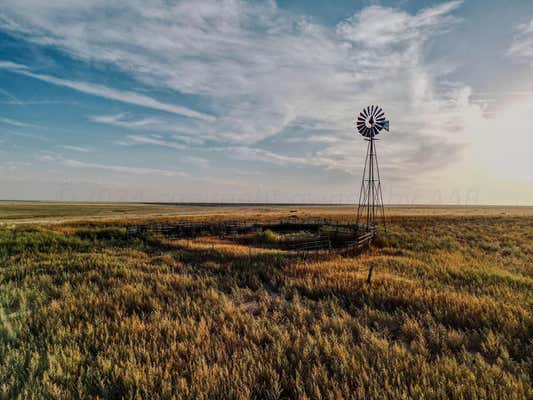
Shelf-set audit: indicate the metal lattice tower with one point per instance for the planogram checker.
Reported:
(369, 123)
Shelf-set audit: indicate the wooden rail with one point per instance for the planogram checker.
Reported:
(362, 241)
(160, 227)
(322, 242)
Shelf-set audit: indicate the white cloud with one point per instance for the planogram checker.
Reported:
(121, 168)
(180, 133)
(18, 102)
(522, 46)
(12, 66)
(12, 99)
(50, 156)
(16, 123)
(24, 135)
(255, 154)
(263, 71)
(153, 140)
(47, 157)
(124, 120)
(124, 96)
(388, 26)
(76, 148)
(196, 161)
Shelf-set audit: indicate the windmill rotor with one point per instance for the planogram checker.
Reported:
(371, 121)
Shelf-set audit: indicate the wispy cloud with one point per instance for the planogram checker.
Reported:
(20, 102)
(384, 27)
(51, 156)
(522, 46)
(106, 92)
(255, 154)
(154, 140)
(195, 161)
(76, 148)
(181, 133)
(124, 120)
(16, 123)
(122, 169)
(47, 157)
(24, 135)
(263, 72)
(12, 98)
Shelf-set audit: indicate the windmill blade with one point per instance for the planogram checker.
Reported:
(377, 115)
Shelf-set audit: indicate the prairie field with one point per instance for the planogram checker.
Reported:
(90, 311)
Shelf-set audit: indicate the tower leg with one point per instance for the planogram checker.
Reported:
(362, 205)
(370, 196)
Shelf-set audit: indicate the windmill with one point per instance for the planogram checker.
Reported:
(369, 123)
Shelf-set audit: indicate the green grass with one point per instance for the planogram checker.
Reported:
(87, 312)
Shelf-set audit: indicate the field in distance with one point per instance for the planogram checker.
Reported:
(90, 310)
(16, 212)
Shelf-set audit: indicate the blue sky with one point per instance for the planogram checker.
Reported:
(254, 101)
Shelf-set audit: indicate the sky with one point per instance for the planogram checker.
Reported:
(254, 101)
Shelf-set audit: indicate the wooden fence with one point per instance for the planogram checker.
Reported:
(335, 239)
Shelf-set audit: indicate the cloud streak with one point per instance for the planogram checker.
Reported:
(122, 169)
(124, 96)
(16, 123)
(76, 148)
(522, 46)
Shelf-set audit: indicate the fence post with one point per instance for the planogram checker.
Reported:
(369, 277)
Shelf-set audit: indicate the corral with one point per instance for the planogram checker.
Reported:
(289, 234)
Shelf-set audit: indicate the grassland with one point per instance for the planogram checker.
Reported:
(32, 212)
(88, 312)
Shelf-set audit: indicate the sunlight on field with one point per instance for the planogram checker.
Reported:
(89, 311)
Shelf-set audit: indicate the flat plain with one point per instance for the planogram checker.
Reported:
(90, 311)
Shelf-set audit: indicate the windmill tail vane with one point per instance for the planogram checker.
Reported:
(369, 123)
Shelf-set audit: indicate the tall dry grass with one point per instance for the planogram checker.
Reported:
(86, 312)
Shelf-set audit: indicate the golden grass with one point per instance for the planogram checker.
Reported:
(86, 312)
